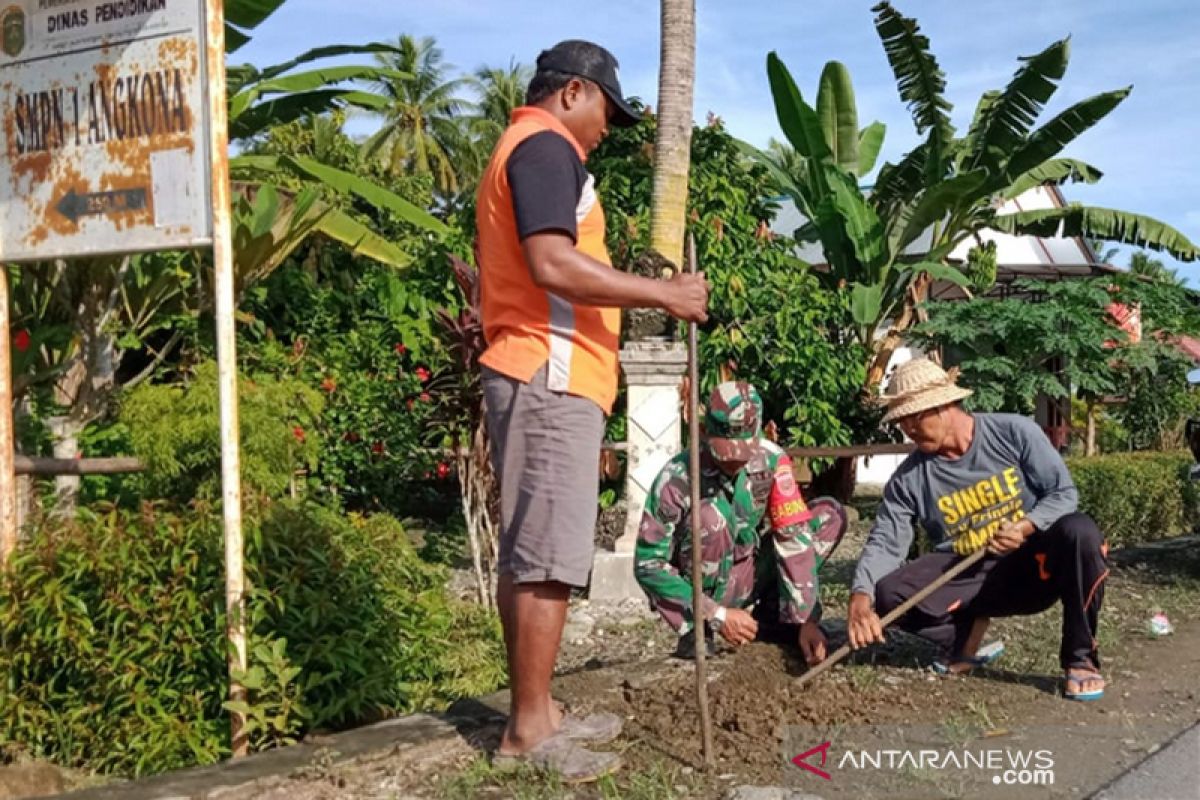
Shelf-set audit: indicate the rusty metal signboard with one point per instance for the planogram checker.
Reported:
(104, 146)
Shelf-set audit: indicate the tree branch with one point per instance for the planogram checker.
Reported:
(159, 357)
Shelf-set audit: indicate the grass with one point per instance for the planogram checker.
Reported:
(481, 779)
(656, 781)
(863, 677)
(1141, 583)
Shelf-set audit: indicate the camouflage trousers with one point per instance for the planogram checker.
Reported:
(729, 582)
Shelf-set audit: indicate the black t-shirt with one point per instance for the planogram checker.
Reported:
(546, 178)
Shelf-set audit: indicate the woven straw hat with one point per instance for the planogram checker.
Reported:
(919, 385)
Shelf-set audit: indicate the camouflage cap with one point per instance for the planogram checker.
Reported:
(733, 421)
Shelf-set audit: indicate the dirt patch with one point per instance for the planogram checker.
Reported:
(752, 698)
(1153, 692)
(885, 696)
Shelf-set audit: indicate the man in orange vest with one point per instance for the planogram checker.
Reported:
(551, 316)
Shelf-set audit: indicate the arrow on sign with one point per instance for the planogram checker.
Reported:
(73, 205)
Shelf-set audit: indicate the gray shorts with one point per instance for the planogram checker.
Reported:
(546, 453)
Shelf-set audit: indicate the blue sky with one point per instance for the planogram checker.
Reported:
(1147, 148)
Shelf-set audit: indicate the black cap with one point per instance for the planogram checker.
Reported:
(593, 62)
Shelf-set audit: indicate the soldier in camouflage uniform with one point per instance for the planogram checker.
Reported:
(762, 546)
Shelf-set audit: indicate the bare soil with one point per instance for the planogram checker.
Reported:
(886, 695)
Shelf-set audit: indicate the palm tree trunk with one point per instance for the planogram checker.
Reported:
(1089, 445)
(672, 142)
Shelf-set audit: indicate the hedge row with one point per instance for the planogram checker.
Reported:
(1138, 497)
(112, 647)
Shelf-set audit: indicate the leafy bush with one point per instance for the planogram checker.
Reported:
(1158, 402)
(112, 648)
(362, 336)
(175, 431)
(1137, 497)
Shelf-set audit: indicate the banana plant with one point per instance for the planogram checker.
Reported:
(888, 246)
(282, 199)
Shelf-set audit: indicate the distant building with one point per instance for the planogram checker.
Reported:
(1018, 257)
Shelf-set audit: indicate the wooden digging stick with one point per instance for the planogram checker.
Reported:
(694, 479)
(898, 612)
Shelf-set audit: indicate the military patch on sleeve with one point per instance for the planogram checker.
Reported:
(787, 506)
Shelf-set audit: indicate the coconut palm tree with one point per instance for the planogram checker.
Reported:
(501, 90)
(673, 137)
(423, 125)
(1141, 263)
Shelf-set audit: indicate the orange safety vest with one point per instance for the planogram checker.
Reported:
(525, 326)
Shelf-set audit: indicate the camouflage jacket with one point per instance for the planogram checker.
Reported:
(735, 509)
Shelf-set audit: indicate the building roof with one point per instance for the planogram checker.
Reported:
(1190, 347)
(1018, 257)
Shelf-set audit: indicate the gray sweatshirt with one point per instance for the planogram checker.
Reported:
(1010, 471)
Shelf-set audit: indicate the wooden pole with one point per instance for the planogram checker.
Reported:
(697, 552)
(898, 611)
(8, 477)
(37, 465)
(227, 377)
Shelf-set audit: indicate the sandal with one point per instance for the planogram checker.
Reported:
(1082, 674)
(574, 764)
(985, 655)
(595, 728)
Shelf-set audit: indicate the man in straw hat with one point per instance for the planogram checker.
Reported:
(980, 480)
(762, 545)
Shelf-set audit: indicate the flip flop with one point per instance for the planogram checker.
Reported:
(594, 728)
(1088, 674)
(574, 764)
(985, 655)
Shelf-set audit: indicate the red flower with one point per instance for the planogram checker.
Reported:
(422, 374)
(425, 398)
(350, 436)
(400, 348)
(409, 403)
(298, 432)
(377, 448)
(443, 470)
(328, 385)
(21, 341)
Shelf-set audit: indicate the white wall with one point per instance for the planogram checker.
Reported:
(875, 471)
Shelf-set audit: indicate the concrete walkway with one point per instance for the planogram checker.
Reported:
(240, 778)
(1171, 773)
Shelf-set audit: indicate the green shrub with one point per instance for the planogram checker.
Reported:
(363, 335)
(175, 431)
(112, 649)
(1137, 497)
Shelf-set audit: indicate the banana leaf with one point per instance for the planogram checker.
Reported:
(1100, 223)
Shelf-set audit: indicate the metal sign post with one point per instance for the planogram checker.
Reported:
(113, 141)
(8, 478)
(227, 376)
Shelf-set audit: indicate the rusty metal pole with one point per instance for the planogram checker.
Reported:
(694, 480)
(8, 478)
(227, 377)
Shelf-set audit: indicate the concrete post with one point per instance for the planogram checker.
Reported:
(653, 371)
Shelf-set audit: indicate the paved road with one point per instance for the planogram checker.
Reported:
(1172, 773)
